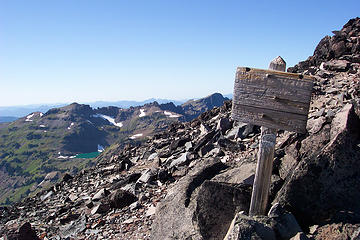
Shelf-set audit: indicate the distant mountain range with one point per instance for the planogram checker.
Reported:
(11, 113)
(20, 111)
(34, 145)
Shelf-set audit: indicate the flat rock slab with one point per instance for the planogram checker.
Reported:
(188, 210)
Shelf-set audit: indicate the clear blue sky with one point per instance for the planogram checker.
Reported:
(83, 51)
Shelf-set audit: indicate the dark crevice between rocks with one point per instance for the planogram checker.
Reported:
(206, 174)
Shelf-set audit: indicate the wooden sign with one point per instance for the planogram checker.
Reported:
(272, 99)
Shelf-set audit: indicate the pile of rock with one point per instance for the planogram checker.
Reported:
(337, 52)
(117, 198)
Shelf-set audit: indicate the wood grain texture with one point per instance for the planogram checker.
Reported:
(260, 192)
(279, 95)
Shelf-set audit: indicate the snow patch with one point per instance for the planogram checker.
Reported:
(72, 124)
(171, 115)
(136, 136)
(41, 114)
(100, 148)
(28, 118)
(66, 157)
(142, 113)
(110, 119)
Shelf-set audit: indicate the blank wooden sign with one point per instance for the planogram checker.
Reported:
(272, 99)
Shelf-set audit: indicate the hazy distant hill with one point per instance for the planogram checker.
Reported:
(20, 111)
(39, 143)
(7, 119)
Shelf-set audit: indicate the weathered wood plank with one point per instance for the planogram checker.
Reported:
(284, 98)
(269, 118)
(260, 193)
(270, 99)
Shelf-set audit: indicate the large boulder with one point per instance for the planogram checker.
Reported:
(216, 206)
(121, 198)
(196, 208)
(324, 185)
(245, 227)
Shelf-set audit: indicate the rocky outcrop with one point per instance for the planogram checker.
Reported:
(197, 208)
(323, 184)
(337, 52)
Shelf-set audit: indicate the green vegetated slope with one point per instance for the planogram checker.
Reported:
(67, 139)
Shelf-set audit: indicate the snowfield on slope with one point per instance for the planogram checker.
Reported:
(142, 113)
(136, 136)
(171, 115)
(110, 119)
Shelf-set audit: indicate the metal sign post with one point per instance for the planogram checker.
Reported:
(274, 100)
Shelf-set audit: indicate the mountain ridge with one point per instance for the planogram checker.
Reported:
(57, 137)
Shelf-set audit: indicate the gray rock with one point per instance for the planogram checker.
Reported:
(244, 131)
(243, 174)
(73, 228)
(220, 200)
(223, 125)
(233, 132)
(337, 65)
(325, 182)
(204, 129)
(205, 149)
(315, 125)
(245, 227)
(121, 198)
(89, 204)
(131, 187)
(152, 156)
(300, 236)
(100, 195)
(26, 232)
(148, 175)
(342, 120)
(174, 214)
(180, 161)
(337, 231)
(46, 196)
(204, 140)
(320, 113)
(178, 143)
(330, 114)
(290, 159)
(188, 146)
(100, 208)
(286, 225)
(134, 205)
(151, 211)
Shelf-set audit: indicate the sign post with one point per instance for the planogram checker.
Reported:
(274, 100)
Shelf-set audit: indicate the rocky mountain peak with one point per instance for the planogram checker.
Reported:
(343, 45)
